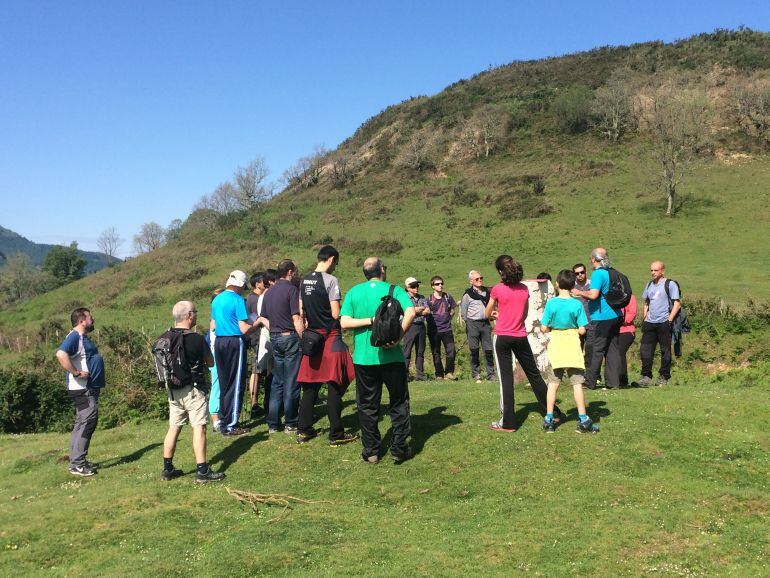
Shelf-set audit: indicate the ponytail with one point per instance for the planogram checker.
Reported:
(511, 272)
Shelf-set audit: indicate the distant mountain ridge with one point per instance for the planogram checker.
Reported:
(12, 243)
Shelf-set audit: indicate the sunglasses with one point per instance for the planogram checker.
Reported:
(478, 279)
(580, 272)
(437, 284)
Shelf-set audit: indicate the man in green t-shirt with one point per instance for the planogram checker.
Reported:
(377, 365)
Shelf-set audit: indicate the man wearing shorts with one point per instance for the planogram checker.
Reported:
(189, 404)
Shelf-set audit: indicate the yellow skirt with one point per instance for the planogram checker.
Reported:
(564, 349)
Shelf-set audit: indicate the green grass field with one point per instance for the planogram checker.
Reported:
(676, 484)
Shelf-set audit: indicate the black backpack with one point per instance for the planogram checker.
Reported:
(386, 326)
(171, 365)
(619, 293)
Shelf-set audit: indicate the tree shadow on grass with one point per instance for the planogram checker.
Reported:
(235, 449)
(129, 458)
(686, 204)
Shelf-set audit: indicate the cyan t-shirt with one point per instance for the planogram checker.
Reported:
(362, 302)
(226, 310)
(564, 313)
(657, 300)
(599, 309)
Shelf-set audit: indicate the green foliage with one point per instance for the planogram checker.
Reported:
(64, 264)
(571, 109)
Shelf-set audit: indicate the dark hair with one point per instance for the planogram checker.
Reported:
(285, 267)
(544, 275)
(436, 278)
(78, 315)
(258, 277)
(374, 270)
(216, 292)
(566, 279)
(511, 272)
(576, 265)
(270, 276)
(327, 251)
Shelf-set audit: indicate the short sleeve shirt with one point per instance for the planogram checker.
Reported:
(227, 309)
(85, 357)
(599, 309)
(657, 300)
(564, 313)
(512, 303)
(280, 304)
(317, 291)
(362, 302)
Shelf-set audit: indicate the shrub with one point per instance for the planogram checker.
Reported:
(571, 109)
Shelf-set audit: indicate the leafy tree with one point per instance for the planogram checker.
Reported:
(174, 230)
(65, 264)
(571, 109)
(20, 280)
(150, 237)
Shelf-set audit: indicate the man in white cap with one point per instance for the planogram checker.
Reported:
(230, 321)
(415, 335)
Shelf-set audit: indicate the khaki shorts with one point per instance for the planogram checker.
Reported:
(190, 405)
(575, 375)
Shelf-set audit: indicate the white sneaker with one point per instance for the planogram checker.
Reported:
(215, 427)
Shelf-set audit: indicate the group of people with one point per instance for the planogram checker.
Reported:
(291, 330)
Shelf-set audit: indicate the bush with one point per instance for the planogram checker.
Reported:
(571, 109)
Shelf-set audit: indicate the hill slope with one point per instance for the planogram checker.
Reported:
(544, 195)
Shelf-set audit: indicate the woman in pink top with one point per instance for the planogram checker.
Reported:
(626, 338)
(508, 303)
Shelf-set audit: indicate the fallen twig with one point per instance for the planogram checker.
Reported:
(285, 500)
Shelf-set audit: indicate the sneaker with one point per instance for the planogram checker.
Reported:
(215, 427)
(400, 459)
(491, 378)
(238, 431)
(548, 427)
(478, 380)
(661, 381)
(587, 426)
(498, 426)
(420, 378)
(645, 381)
(371, 459)
(273, 430)
(92, 465)
(345, 439)
(83, 470)
(304, 438)
(168, 475)
(208, 476)
(290, 429)
(450, 377)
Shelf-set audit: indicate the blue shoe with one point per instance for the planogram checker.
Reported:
(548, 427)
(587, 426)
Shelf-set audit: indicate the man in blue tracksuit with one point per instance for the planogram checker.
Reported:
(230, 320)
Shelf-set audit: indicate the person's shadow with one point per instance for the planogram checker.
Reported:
(228, 455)
(429, 424)
(523, 412)
(596, 410)
(129, 458)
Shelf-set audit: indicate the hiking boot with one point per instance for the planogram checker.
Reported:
(498, 426)
(290, 429)
(371, 459)
(208, 476)
(420, 378)
(645, 381)
(168, 475)
(83, 470)
(661, 381)
(548, 426)
(450, 377)
(587, 426)
(345, 439)
(305, 437)
(401, 458)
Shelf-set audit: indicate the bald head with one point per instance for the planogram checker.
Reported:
(657, 270)
(374, 268)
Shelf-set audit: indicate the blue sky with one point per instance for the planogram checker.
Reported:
(116, 113)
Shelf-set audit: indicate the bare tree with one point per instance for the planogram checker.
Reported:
(109, 242)
(750, 103)
(340, 172)
(415, 154)
(250, 184)
(307, 171)
(611, 108)
(490, 123)
(224, 200)
(677, 121)
(150, 237)
(470, 139)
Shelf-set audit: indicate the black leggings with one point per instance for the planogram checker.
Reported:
(506, 347)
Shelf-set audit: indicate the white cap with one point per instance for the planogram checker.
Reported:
(410, 281)
(237, 279)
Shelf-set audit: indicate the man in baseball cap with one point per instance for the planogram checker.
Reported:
(415, 335)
